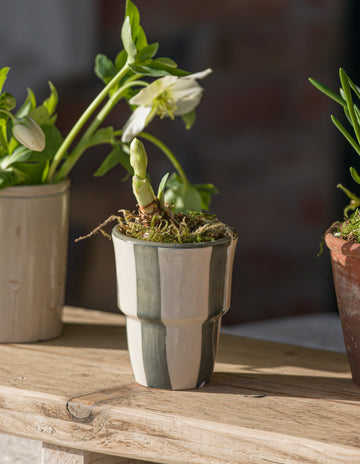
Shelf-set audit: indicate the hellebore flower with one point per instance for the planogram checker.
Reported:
(29, 133)
(168, 96)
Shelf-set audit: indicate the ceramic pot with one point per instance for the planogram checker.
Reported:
(33, 250)
(173, 296)
(345, 260)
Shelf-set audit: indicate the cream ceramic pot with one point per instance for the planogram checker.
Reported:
(33, 251)
(173, 296)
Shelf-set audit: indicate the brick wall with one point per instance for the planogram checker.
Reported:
(262, 135)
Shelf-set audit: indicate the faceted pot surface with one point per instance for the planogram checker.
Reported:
(173, 296)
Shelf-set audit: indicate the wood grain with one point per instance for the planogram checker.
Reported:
(267, 402)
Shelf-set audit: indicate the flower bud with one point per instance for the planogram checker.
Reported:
(29, 133)
(138, 158)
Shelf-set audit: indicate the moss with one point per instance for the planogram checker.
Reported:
(168, 227)
(349, 229)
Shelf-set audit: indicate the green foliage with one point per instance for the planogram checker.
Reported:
(349, 229)
(185, 196)
(345, 99)
(134, 67)
(18, 164)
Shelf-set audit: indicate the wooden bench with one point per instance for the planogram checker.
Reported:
(267, 402)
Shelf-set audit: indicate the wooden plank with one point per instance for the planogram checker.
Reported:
(267, 402)
(53, 454)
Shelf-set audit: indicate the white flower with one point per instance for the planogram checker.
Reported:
(168, 96)
(29, 133)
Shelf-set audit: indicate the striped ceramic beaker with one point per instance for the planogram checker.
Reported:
(173, 296)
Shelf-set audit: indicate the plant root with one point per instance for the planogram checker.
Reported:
(167, 227)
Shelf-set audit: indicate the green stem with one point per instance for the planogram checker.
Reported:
(83, 119)
(8, 114)
(158, 143)
(103, 113)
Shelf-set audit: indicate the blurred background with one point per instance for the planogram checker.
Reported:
(263, 134)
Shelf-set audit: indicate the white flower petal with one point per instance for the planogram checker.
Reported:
(185, 105)
(199, 75)
(146, 95)
(136, 123)
(183, 88)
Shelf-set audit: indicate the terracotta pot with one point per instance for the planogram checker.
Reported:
(345, 260)
(173, 296)
(33, 250)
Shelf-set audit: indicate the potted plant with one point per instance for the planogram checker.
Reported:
(173, 262)
(343, 237)
(35, 163)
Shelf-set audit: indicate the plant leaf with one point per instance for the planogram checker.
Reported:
(161, 189)
(330, 93)
(3, 133)
(132, 12)
(3, 75)
(127, 40)
(8, 178)
(115, 157)
(147, 52)
(346, 134)
(28, 105)
(355, 175)
(183, 197)
(206, 192)
(51, 102)
(120, 60)
(7, 101)
(104, 68)
(101, 136)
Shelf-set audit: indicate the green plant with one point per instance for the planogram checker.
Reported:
(152, 86)
(345, 98)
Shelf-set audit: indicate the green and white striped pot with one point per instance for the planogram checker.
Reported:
(173, 296)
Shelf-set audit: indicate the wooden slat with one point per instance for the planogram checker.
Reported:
(266, 402)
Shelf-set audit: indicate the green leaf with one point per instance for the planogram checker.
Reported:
(104, 68)
(28, 105)
(115, 157)
(127, 40)
(348, 97)
(51, 102)
(147, 52)
(120, 60)
(3, 75)
(30, 173)
(183, 197)
(189, 119)
(167, 61)
(328, 92)
(8, 178)
(132, 12)
(141, 40)
(346, 134)
(156, 69)
(3, 133)
(7, 101)
(161, 189)
(206, 192)
(101, 136)
(355, 175)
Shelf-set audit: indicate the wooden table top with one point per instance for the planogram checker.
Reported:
(267, 402)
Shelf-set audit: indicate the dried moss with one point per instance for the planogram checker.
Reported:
(167, 227)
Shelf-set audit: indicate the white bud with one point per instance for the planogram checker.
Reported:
(29, 133)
